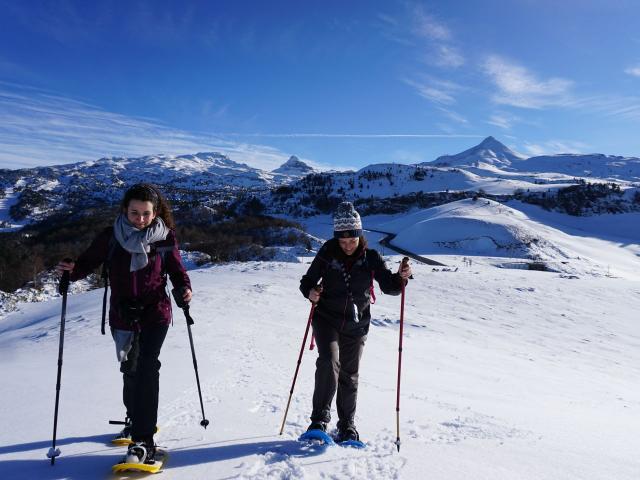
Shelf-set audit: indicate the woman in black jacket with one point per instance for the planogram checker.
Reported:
(341, 318)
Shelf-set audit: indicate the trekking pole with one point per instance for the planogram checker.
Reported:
(295, 375)
(177, 296)
(63, 288)
(405, 260)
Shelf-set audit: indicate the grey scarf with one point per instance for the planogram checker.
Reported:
(137, 242)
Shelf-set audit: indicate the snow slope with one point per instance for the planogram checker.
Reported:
(610, 167)
(492, 229)
(7, 224)
(507, 374)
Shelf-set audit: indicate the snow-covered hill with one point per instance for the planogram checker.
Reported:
(507, 374)
(609, 167)
(504, 231)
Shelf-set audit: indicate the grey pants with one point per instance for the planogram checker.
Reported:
(336, 369)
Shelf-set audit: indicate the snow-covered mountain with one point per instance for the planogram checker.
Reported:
(490, 151)
(294, 167)
(210, 179)
(206, 178)
(608, 167)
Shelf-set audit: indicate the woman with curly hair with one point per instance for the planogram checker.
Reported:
(140, 250)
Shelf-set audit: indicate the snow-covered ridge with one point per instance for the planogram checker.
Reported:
(490, 151)
(210, 179)
(600, 166)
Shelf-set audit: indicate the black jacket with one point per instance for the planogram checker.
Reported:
(335, 305)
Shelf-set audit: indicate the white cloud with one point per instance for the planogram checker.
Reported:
(40, 128)
(635, 71)
(427, 26)
(433, 93)
(504, 120)
(554, 147)
(456, 117)
(625, 107)
(423, 31)
(348, 135)
(500, 121)
(518, 87)
(448, 56)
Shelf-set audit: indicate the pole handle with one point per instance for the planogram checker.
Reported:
(63, 287)
(405, 261)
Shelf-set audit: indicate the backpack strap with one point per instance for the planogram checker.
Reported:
(162, 251)
(372, 291)
(105, 277)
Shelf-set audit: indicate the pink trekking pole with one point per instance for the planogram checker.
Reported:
(295, 375)
(405, 260)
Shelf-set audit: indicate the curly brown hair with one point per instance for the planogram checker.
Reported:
(147, 192)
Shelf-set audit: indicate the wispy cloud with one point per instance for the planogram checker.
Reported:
(553, 147)
(423, 31)
(428, 26)
(518, 87)
(455, 116)
(501, 121)
(435, 90)
(624, 107)
(635, 71)
(348, 135)
(448, 56)
(432, 93)
(504, 120)
(41, 128)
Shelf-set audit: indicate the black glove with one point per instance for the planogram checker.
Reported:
(177, 296)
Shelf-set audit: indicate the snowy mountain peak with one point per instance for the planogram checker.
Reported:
(489, 151)
(294, 167)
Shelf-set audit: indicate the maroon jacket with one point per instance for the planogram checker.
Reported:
(147, 285)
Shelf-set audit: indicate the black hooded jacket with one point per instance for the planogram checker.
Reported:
(335, 305)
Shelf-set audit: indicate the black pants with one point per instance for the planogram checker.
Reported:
(336, 369)
(141, 376)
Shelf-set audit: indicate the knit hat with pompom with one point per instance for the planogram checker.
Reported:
(346, 221)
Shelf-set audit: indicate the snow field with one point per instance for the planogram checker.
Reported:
(507, 374)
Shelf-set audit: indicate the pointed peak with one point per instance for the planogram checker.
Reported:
(293, 160)
(490, 151)
(294, 166)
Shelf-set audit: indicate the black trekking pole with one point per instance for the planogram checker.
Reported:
(177, 296)
(63, 288)
(405, 260)
(295, 375)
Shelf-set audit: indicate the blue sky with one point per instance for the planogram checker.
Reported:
(337, 83)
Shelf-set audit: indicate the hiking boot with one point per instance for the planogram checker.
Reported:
(141, 452)
(124, 435)
(347, 433)
(317, 426)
